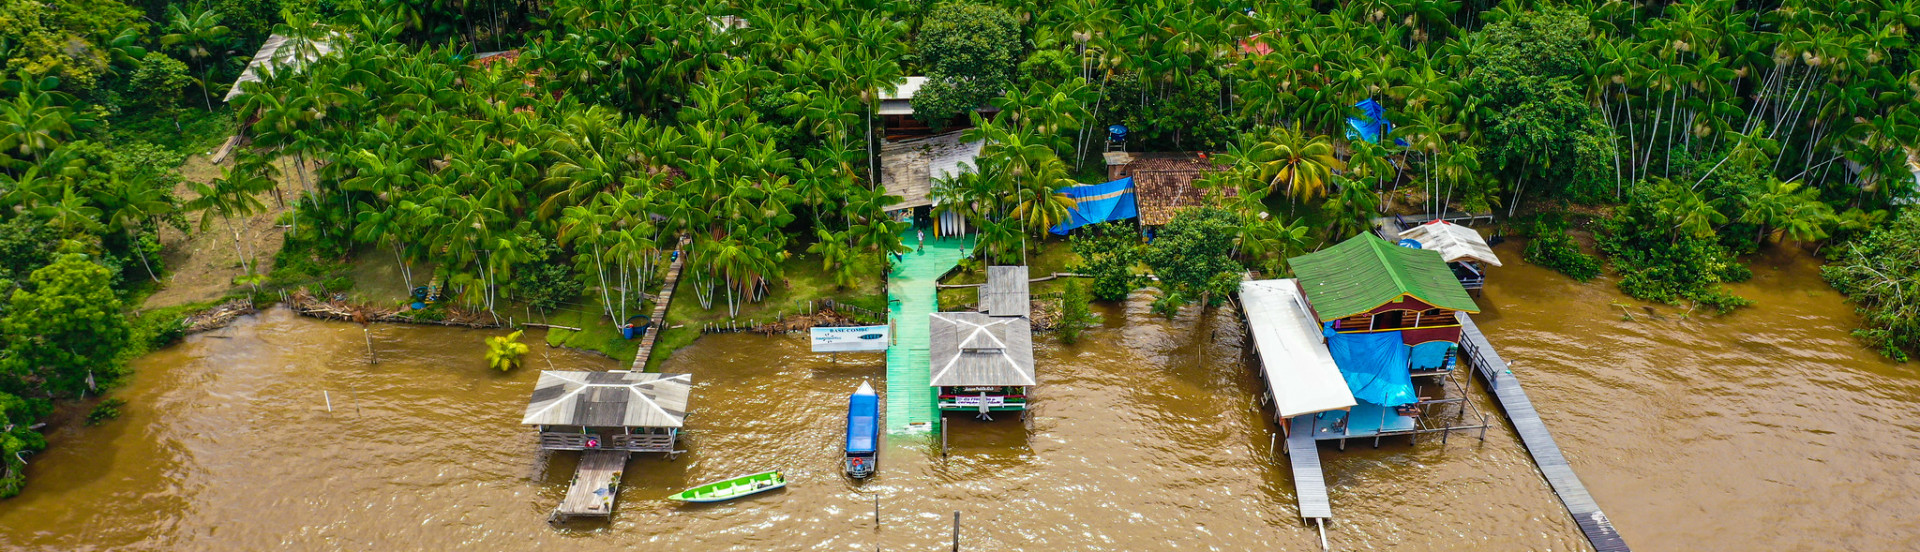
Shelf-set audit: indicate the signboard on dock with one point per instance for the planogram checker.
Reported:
(850, 339)
(976, 400)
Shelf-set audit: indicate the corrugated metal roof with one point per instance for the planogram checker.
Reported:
(1301, 374)
(953, 366)
(615, 398)
(1454, 242)
(1006, 292)
(275, 52)
(1365, 272)
(909, 169)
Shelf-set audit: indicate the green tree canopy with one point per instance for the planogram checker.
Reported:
(969, 53)
(64, 329)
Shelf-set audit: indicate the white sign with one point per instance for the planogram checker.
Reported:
(975, 400)
(857, 338)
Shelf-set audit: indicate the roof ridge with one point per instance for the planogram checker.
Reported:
(1393, 267)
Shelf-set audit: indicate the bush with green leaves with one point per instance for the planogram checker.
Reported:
(17, 439)
(547, 282)
(107, 410)
(1663, 245)
(158, 81)
(1074, 314)
(1108, 252)
(504, 352)
(64, 329)
(1192, 257)
(1881, 273)
(1550, 246)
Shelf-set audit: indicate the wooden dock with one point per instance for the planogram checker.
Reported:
(1309, 481)
(1533, 433)
(660, 307)
(595, 484)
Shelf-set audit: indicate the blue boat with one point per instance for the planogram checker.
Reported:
(863, 432)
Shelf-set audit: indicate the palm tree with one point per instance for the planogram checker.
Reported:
(200, 35)
(1289, 160)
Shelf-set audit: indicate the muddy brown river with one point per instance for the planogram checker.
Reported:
(1768, 429)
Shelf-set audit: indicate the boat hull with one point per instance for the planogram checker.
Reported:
(743, 486)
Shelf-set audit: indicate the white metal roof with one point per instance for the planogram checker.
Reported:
(276, 54)
(970, 348)
(1454, 242)
(616, 398)
(896, 100)
(1300, 370)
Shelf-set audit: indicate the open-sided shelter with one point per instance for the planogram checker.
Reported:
(614, 410)
(979, 362)
(1301, 375)
(1465, 252)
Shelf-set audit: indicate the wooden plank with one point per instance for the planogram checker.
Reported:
(1309, 482)
(595, 484)
(1539, 442)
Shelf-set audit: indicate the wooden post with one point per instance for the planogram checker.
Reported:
(1273, 447)
(372, 358)
(943, 439)
(329, 398)
(1323, 532)
(956, 531)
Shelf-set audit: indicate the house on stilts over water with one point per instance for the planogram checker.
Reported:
(606, 416)
(1362, 343)
(1387, 315)
(982, 362)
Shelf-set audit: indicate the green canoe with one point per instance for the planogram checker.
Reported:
(733, 488)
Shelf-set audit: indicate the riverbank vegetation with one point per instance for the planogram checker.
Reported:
(551, 155)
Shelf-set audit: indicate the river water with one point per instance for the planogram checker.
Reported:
(1767, 429)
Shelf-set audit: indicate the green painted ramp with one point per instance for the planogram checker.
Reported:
(911, 299)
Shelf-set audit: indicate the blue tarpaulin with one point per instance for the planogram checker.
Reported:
(1097, 203)
(863, 421)
(1374, 364)
(1373, 125)
(1431, 355)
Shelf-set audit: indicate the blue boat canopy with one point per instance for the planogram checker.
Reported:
(863, 420)
(1097, 203)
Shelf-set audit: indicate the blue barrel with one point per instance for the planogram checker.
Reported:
(1117, 133)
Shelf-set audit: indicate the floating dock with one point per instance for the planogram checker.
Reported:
(595, 484)
(1533, 433)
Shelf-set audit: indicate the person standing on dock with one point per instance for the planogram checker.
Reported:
(923, 241)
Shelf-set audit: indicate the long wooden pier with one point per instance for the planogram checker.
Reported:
(1309, 481)
(660, 307)
(1533, 433)
(595, 484)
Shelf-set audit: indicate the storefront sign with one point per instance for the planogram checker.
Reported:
(842, 340)
(975, 400)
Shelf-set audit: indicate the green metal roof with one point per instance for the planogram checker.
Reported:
(1365, 272)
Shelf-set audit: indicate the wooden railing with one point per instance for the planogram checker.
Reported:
(647, 442)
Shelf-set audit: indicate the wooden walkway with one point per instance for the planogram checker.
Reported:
(595, 484)
(1533, 433)
(660, 307)
(1309, 481)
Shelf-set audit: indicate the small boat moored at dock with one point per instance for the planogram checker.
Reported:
(863, 433)
(733, 488)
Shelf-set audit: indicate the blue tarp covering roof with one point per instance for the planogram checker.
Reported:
(863, 421)
(1097, 203)
(1373, 125)
(1374, 364)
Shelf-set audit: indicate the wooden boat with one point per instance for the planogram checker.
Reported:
(733, 488)
(863, 433)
